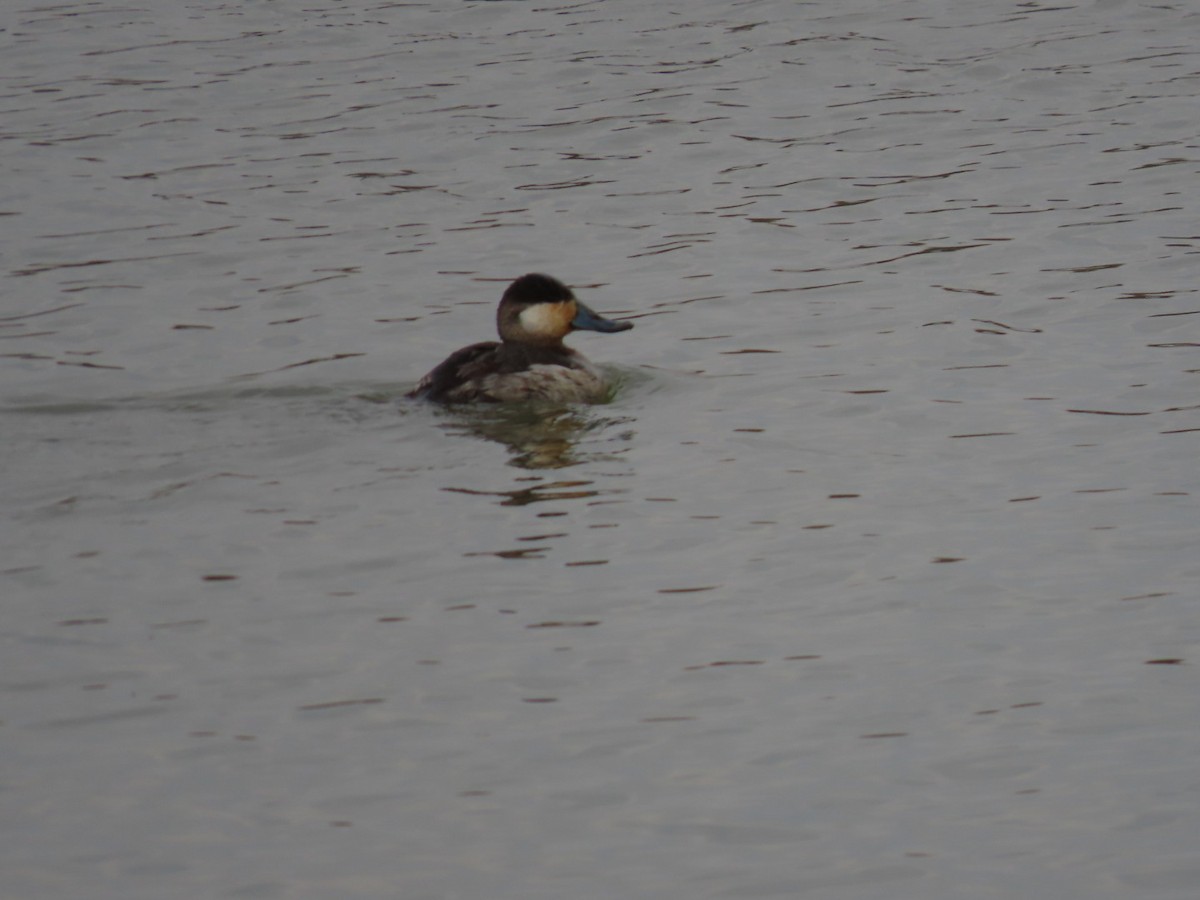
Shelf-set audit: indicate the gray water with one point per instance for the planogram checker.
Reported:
(877, 578)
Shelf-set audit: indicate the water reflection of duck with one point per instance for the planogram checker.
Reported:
(530, 362)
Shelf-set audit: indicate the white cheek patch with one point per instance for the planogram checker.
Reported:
(542, 318)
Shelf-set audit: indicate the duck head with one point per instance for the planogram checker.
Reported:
(538, 309)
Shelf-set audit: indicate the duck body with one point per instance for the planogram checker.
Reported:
(530, 362)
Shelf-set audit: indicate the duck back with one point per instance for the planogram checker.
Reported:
(506, 373)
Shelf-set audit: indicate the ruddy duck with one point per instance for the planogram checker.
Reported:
(530, 362)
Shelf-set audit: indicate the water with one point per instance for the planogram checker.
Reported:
(876, 578)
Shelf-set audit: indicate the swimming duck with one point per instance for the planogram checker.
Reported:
(530, 362)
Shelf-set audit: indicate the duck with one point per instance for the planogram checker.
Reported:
(530, 361)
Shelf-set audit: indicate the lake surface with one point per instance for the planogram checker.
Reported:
(878, 578)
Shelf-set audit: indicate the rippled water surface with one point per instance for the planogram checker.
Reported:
(876, 579)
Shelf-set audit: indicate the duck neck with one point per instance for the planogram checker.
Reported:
(532, 353)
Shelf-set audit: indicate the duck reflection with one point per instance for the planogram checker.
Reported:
(539, 437)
